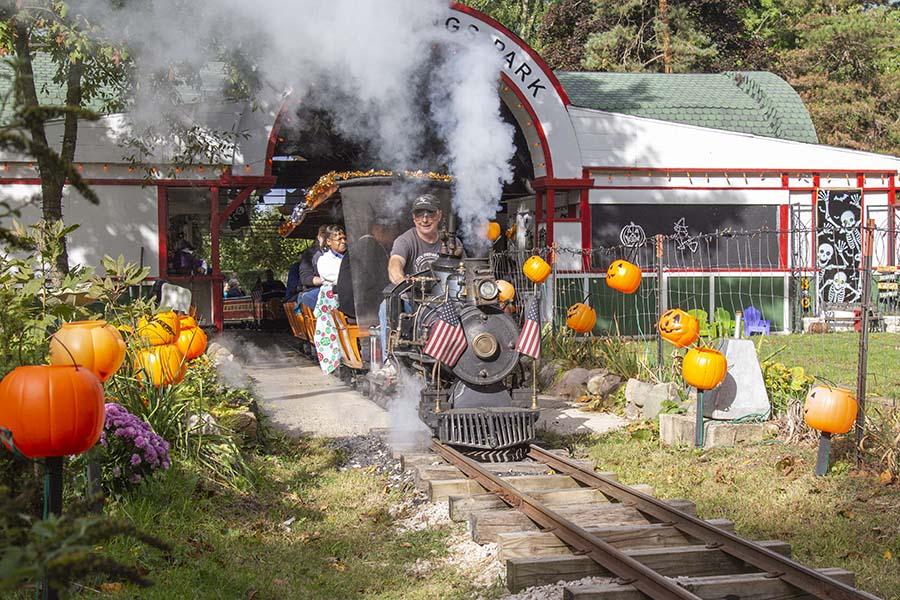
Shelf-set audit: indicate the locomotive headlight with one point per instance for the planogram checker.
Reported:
(488, 290)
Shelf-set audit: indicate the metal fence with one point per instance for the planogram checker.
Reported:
(792, 278)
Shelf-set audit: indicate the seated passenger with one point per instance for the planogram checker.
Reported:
(309, 274)
(271, 287)
(293, 282)
(328, 347)
(233, 288)
(329, 263)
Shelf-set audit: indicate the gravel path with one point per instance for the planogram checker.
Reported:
(293, 392)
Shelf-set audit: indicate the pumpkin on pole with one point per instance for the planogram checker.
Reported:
(830, 410)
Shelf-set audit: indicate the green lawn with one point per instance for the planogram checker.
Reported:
(340, 544)
(769, 491)
(833, 357)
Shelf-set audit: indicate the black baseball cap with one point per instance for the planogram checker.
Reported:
(426, 202)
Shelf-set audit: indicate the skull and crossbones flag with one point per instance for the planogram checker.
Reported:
(447, 340)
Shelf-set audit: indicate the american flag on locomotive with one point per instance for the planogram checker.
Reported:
(529, 341)
(447, 340)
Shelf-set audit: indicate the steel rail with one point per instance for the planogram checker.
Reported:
(629, 570)
(776, 565)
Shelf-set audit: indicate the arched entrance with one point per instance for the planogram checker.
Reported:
(534, 101)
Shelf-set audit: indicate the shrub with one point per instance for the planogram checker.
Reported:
(784, 385)
(133, 451)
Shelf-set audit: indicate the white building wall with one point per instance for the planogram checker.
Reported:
(124, 222)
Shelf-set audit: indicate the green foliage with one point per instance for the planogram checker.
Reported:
(259, 247)
(522, 17)
(36, 296)
(62, 549)
(179, 413)
(785, 385)
(630, 38)
(623, 357)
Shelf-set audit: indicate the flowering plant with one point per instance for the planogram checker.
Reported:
(133, 451)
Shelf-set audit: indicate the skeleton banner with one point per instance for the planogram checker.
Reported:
(839, 241)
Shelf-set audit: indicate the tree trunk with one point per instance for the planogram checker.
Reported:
(52, 179)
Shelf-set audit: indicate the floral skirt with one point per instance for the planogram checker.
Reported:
(328, 346)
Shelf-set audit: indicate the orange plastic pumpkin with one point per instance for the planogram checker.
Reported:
(623, 276)
(679, 328)
(52, 410)
(492, 230)
(507, 290)
(191, 342)
(186, 322)
(163, 365)
(581, 318)
(95, 345)
(704, 368)
(159, 329)
(536, 269)
(830, 409)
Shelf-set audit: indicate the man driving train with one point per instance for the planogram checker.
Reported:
(414, 251)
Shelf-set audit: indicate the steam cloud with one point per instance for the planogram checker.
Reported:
(371, 65)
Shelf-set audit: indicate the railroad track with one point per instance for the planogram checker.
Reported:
(556, 519)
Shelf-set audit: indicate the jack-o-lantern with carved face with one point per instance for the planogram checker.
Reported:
(623, 276)
(581, 318)
(679, 328)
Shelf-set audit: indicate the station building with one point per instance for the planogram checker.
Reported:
(606, 158)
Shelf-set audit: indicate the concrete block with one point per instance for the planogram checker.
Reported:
(743, 392)
(678, 430)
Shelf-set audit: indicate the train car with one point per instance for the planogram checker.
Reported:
(479, 404)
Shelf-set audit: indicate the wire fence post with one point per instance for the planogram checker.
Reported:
(862, 365)
(660, 303)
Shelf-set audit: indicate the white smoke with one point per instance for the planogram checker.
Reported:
(408, 432)
(371, 65)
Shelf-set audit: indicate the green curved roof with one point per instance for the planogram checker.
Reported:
(756, 102)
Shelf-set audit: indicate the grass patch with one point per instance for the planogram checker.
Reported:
(833, 357)
(770, 492)
(232, 544)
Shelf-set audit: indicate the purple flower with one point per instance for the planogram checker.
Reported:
(136, 478)
(116, 471)
(135, 460)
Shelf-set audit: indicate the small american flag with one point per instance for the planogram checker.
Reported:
(529, 341)
(447, 340)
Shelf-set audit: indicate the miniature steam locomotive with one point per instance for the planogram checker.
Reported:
(479, 403)
(471, 404)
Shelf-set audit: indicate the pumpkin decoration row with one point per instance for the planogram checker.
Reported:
(623, 276)
(679, 328)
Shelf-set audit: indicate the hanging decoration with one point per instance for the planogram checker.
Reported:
(623, 276)
(679, 328)
(536, 269)
(581, 318)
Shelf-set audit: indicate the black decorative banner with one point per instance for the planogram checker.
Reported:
(839, 244)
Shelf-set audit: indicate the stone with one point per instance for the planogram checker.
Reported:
(743, 392)
(678, 430)
(204, 424)
(571, 384)
(244, 424)
(644, 400)
(602, 385)
(548, 373)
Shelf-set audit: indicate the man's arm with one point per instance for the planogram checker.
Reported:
(395, 269)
